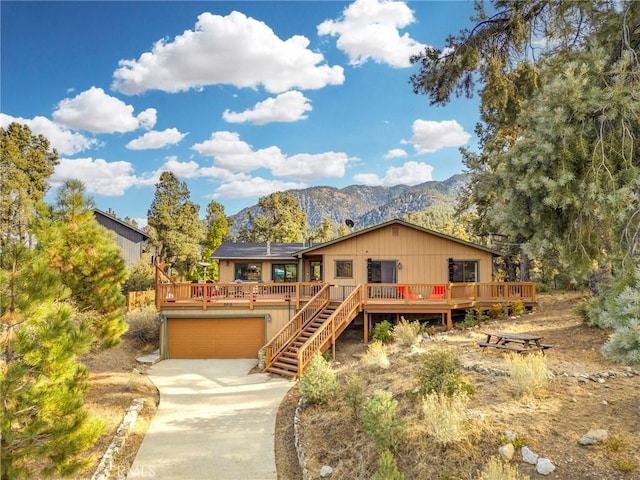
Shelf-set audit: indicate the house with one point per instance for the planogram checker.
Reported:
(277, 298)
(131, 240)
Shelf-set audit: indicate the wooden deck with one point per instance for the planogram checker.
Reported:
(376, 298)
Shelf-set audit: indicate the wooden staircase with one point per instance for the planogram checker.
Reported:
(286, 363)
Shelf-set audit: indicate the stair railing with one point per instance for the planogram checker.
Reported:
(290, 331)
(330, 329)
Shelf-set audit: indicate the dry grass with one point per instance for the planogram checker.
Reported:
(407, 333)
(496, 469)
(376, 356)
(446, 417)
(528, 374)
(551, 423)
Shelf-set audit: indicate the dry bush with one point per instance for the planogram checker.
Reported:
(144, 326)
(376, 355)
(319, 383)
(527, 373)
(445, 417)
(407, 333)
(496, 469)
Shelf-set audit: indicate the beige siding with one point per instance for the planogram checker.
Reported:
(227, 272)
(424, 257)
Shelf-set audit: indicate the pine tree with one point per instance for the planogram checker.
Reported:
(282, 220)
(217, 226)
(88, 259)
(173, 224)
(43, 424)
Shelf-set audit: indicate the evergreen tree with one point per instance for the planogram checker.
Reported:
(44, 427)
(282, 220)
(88, 259)
(26, 162)
(217, 226)
(173, 224)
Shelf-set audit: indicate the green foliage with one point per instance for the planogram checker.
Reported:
(353, 393)
(319, 383)
(88, 259)
(517, 308)
(217, 225)
(387, 468)
(174, 228)
(407, 333)
(382, 332)
(142, 276)
(470, 318)
(144, 325)
(496, 311)
(625, 466)
(496, 469)
(282, 220)
(378, 418)
(44, 427)
(439, 371)
(26, 163)
(623, 316)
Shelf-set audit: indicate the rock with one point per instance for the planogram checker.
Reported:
(544, 466)
(506, 452)
(593, 436)
(326, 471)
(528, 456)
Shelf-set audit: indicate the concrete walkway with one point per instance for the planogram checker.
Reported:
(214, 422)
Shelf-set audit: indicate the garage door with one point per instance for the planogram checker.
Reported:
(215, 337)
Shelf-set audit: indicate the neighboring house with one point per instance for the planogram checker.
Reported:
(131, 240)
(383, 271)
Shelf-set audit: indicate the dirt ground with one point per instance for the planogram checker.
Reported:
(550, 423)
(116, 379)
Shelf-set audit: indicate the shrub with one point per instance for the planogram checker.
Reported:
(144, 325)
(382, 332)
(528, 373)
(407, 333)
(625, 466)
(517, 308)
(319, 383)
(387, 468)
(439, 371)
(353, 393)
(378, 419)
(376, 355)
(495, 469)
(470, 318)
(445, 417)
(496, 311)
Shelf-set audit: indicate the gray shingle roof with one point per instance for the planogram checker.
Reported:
(234, 250)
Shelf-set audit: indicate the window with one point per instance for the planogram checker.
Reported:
(249, 272)
(344, 268)
(463, 270)
(284, 272)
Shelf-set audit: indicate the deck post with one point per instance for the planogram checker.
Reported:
(366, 327)
(449, 320)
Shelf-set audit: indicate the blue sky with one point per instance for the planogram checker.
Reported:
(238, 99)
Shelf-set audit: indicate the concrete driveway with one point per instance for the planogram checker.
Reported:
(214, 421)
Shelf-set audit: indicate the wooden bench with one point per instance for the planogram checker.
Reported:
(519, 349)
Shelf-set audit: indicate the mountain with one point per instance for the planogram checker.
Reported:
(364, 205)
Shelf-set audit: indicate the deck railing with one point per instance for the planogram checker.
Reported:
(291, 330)
(330, 329)
(247, 294)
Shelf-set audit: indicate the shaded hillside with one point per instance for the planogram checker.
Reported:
(366, 205)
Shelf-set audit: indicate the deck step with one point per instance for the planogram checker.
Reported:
(283, 373)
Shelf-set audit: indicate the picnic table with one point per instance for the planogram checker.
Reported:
(515, 342)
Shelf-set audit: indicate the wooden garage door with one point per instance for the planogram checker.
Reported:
(215, 337)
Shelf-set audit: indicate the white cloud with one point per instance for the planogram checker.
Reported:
(248, 187)
(234, 50)
(64, 141)
(411, 173)
(429, 136)
(396, 153)
(286, 107)
(231, 153)
(100, 177)
(95, 111)
(368, 29)
(156, 139)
